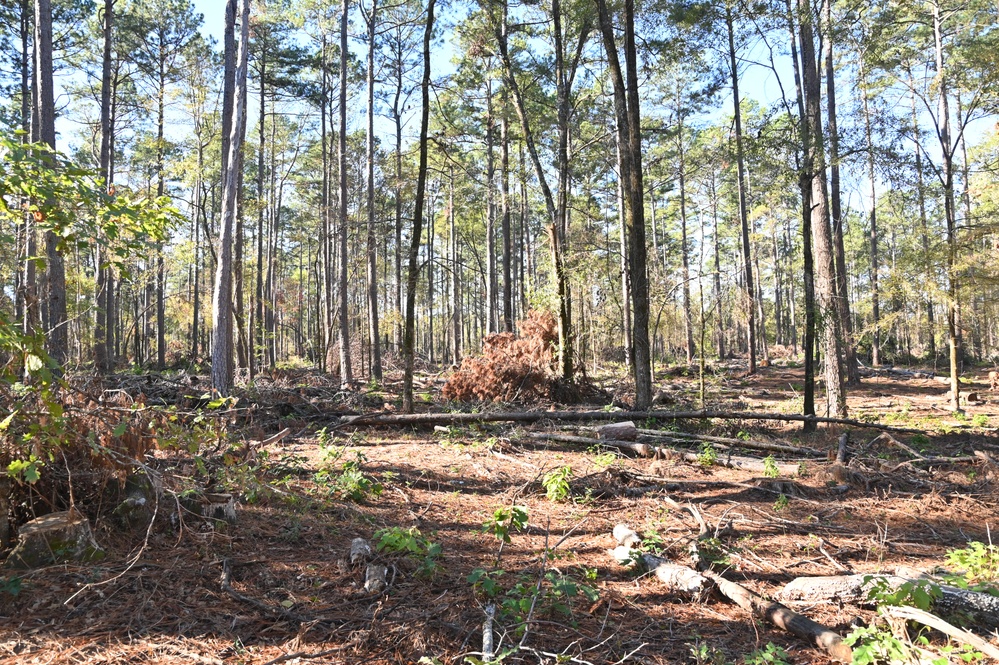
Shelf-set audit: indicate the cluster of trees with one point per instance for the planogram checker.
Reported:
(675, 180)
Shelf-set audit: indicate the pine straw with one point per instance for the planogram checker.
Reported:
(293, 595)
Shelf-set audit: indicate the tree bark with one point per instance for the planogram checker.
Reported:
(742, 186)
(835, 205)
(374, 339)
(101, 272)
(346, 368)
(222, 340)
(44, 110)
(821, 232)
(628, 112)
(409, 334)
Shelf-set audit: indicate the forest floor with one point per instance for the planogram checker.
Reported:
(277, 585)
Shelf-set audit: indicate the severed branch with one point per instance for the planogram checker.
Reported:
(935, 622)
(648, 450)
(567, 416)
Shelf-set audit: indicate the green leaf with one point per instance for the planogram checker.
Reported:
(120, 428)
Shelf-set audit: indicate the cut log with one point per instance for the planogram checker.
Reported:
(649, 450)
(785, 618)
(360, 551)
(578, 416)
(626, 536)
(855, 589)
(54, 538)
(374, 578)
(624, 431)
(678, 579)
(736, 443)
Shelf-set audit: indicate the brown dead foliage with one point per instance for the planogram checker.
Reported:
(510, 367)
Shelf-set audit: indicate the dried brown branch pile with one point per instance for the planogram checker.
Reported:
(510, 367)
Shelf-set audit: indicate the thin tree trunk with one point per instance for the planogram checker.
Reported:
(372, 259)
(950, 212)
(741, 172)
(628, 112)
(409, 334)
(57, 335)
(821, 232)
(875, 293)
(804, 184)
(688, 325)
(101, 271)
(842, 292)
(505, 219)
(346, 368)
(222, 361)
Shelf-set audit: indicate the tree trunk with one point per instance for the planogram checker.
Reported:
(688, 324)
(222, 361)
(372, 259)
(491, 281)
(950, 213)
(44, 110)
(821, 232)
(875, 294)
(505, 219)
(835, 204)
(409, 334)
(346, 368)
(628, 113)
(565, 353)
(804, 184)
(160, 191)
(456, 309)
(741, 171)
(101, 272)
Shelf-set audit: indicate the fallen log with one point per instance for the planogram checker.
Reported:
(935, 622)
(382, 418)
(783, 617)
(649, 450)
(738, 443)
(684, 579)
(856, 589)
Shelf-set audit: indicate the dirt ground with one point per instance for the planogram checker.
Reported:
(277, 586)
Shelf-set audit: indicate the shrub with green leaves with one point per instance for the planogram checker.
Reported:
(412, 544)
(504, 520)
(556, 484)
(978, 564)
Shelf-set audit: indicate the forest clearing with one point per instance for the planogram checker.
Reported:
(485, 331)
(436, 503)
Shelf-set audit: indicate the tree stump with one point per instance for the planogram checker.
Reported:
(54, 538)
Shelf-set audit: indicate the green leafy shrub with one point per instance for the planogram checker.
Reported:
(556, 484)
(412, 544)
(505, 519)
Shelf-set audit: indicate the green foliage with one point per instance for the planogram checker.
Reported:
(874, 644)
(708, 456)
(348, 480)
(556, 484)
(412, 544)
(505, 519)
(769, 655)
(702, 653)
(602, 459)
(920, 594)
(770, 469)
(10, 585)
(978, 562)
(980, 420)
(781, 503)
(70, 203)
(485, 581)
